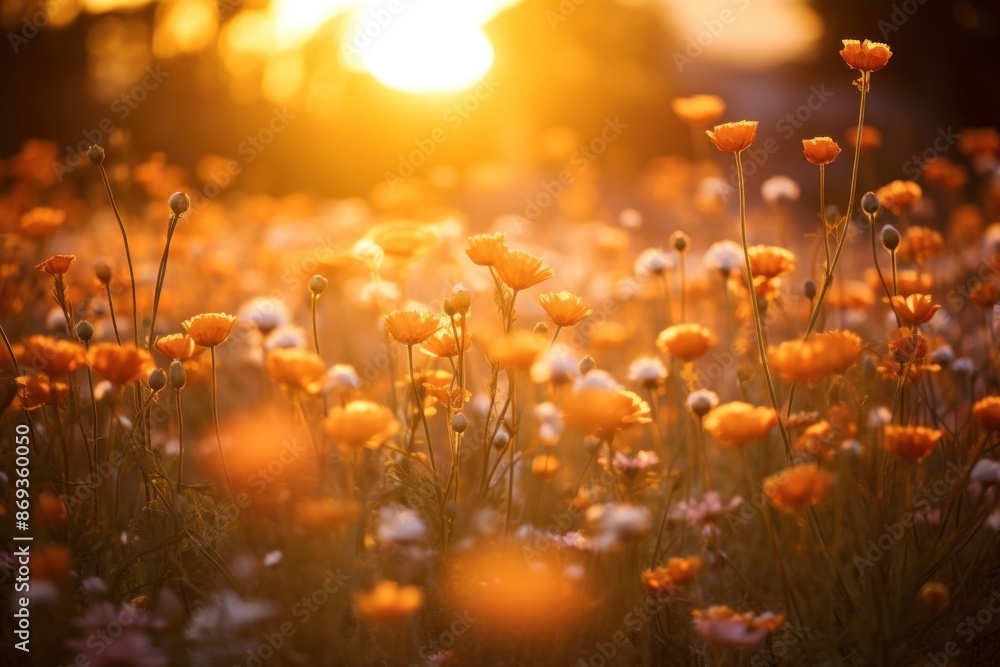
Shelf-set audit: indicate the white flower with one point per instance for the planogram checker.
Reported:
(647, 371)
(369, 252)
(559, 365)
(778, 188)
(986, 471)
(701, 401)
(713, 188)
(398, 524)
(288, 335)
(614, 522)
(550, 425)
(342, 378)
(724, 256)
(265, 313)
(879, 416)
(596, 379)
(654, 261)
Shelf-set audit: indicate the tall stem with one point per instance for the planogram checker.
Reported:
(111, 310)
(128, 254)
(822, 213)
(878, 270)
(180, 442)
(314, 329)
(215, 417)
(420, 408)
(160, 278)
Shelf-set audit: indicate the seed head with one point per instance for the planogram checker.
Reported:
(96, 154)
(179, 203)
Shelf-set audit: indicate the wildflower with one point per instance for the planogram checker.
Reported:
(770, 261)
(733, 137)
(920, 244)
(403, 241)
(36, 391)
(911, 443)
(851, 295)
(411, 327)
(987, 412)
(179, 203)
(613, 523)
(605, 410)
(210, 329)
(698, 110)
(871, 137)
(665, 580)
(399, 525)
(724, 256)
(520, 270)
(647, 371)
(654, 261)
(559, 365)
(389, 602)
(55, 358)
(40, 222)
(865, 56)
(322, 514)
(796, 487)
(176, 346)
(709, 510)
(737, 423)
(297, 369)
(265, 313)
(444, 344)
(686, 341)
(287, 335)
(817, 357)
(915, 309)
(519, 349)
(550, 425)
(820, 150)
(342, 378)
(721, 625)
(985, 472)
(56, 265)
(564, 309)
(119, 364)
(643, 460)
(484, 249)
(701, 401)
(361, 423)
(779, 188)
(899, 196)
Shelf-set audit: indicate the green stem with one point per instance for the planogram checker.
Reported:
(128, 254)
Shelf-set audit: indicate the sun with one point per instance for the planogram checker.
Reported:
(424, 47)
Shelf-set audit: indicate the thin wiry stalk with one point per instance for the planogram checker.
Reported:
(111, 310)
(160, 278)
(128, 254)
(215, 418)
(878, 269)
(420, 408)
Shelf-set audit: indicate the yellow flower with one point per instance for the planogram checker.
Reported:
(911, 443)
(389, 602)
(733, 137)
(821, 355)
(865, 56)
(361, 423)
(564, 308)
(176, 346)
(119, 364)
(796, 487)
(600, 409)
(520, 270)
(769, 261)
(297, 368)
(485, 248)
(519, 349)
(210, 329)
(444, 344)
(686, 341)
(698, 110)
(915, 309)
(411, 327)
(403, 240)
(738, 423)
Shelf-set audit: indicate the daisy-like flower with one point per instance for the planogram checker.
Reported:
(654, 261)
(389, 602)
(297, 369)
(686, 341)
(911, 443)
(613, 523)
(899, 196)
(520, 270)
(265, 313)
(700, 401)
(709, 509)
(721, 625)
(605, 410)
(399, 525)
(411, 327)
(559, 364)
(820, 150)
(647, 371)
(817, 357)
(768, 261)
(915, 309)
(361, 423)
(342, 378)
(796, 487)
(738, 423)
(920, 244)
(564, 308)
(864, 55)
(664, 580)
(210, 329)
(176, 346)
(403, 240)
(519, 349)
(56, 265)
(55, 358)
(444, 344)
(779, 188)
(724, 256)
(698, 110)
(119, 365)
(987, 413)
(40, 222)
(733, 137)
(36, 391)
(485, 248)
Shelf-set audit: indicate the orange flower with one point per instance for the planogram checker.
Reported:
(444, 344)
(411, 327)
(920, 244)
(56, 265)
(119, 364)
(987, 412)
(210, 329)
(899, 196)
(600, 409)
(865, 56)
(851, 295)
(686, 342)
(55, 358)
(908, 282)
(361, 423)
(176, 346)
(698, 110)
(40, 222)
(485, 248)
(297, 369)
(403, 241)
(911, 443)
(973, 141)
(738, 423)
(985, 295)
(915, 309)
(520, 270)
(564, 308)
(519, 349)
(820, 150)
(733, 137)
(769, 261)
(678, 571)
(36, 391)
(795, 487)
(721, 625)
(821, 355)
(871, 137)
(389, 602)
(50, 510)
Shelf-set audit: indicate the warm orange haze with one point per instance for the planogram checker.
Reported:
(507, 332)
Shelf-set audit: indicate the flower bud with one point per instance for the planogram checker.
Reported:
(935, 595)
(870, 203)
(831, 215)
(587, 364)
(501, 439)
(541, 328)
(809, 289)
(890, 237)
(103, 271)
(318, 284)
(85, 331)
(96, 154)
(179, 203)
(461, 301)
(178, 376)
(157, 379)
(459, 422)
(680, 241)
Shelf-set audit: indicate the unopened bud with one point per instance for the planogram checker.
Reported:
(318, 284)
(541, 328)
(870, 203)
(103, 271)
(809, 289)
(680, 241)
(179, 203)
(890, 237)
(157, 379)
(96, 154)
(459, 422)
(85, 331)
(178, 376)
